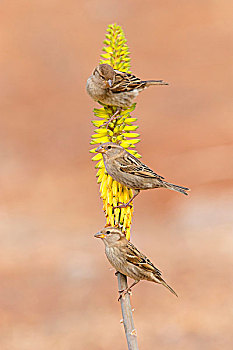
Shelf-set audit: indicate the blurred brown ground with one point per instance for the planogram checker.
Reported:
(56, 289)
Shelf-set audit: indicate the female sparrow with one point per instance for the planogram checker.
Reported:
(128, 260)
(114, 88)
(130, 172)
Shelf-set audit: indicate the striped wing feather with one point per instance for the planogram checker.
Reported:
(135, 257)
(125, 82)
(130, 164)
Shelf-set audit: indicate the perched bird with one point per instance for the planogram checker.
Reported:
(128, 260)
(114, 88)
(130, 172)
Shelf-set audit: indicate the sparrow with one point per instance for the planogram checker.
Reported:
(128, 260)
(114, 88)
(130, 172)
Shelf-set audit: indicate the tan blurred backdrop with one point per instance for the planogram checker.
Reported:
(56, 288)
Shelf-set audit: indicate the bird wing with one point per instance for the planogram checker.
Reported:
(125, 82)
(130, 164)
(135, 257)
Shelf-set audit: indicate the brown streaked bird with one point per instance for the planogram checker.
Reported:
(128, 260)
(130, 172)
(114, 88)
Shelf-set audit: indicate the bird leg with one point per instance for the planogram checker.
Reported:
(124, 205)
(127, 290)
(114, 116)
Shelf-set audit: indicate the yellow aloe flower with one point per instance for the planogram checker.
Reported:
(121, 131)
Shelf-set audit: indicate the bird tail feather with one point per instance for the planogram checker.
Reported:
(176, 187)
(155, 82)
(168, 287)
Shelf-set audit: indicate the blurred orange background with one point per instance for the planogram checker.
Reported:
(56, 288)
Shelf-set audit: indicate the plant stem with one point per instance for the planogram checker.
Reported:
(126, 310)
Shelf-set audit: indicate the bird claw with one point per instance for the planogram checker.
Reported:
(129, 292)
(119, 298)
(123, 205)
(123, 293)
(106, 124)
(113, 117)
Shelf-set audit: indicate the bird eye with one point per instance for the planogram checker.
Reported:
(107, 232)
(109, 147)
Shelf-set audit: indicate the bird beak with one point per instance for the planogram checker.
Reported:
(109, 83)
(99, 235)
(100, 149)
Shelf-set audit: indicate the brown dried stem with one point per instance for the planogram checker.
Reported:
(130, 331)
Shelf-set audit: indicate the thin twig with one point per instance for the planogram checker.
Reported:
(126, 310)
